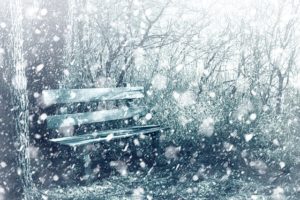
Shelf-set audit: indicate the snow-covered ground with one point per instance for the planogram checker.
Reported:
(185, 183)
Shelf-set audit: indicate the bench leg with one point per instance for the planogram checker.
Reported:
(133, 151)
(87, 165)
(155, 147)
(82, 165)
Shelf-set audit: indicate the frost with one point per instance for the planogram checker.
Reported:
(159, 82)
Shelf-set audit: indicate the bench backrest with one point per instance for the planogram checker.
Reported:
(69, 96)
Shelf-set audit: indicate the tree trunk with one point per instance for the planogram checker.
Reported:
(121, 77)
(20, 100)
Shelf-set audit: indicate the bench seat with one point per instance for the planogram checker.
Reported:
(107, 135)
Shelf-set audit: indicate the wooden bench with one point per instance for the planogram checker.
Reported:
(72, 116)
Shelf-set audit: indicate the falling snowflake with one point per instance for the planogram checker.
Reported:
(184, 99)
(3, 25)
(39, 68)
(171, 152)
(159, 82)
(56, 38)
(55, 177)
(3, 164)
(207, 127)
(43, 12)
(248, 137)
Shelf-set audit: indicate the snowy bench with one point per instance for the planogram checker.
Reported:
(63, 121)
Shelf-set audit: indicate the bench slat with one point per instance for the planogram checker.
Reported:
(89, 138)
(51, 97)
(103, 133)
(67, 120)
